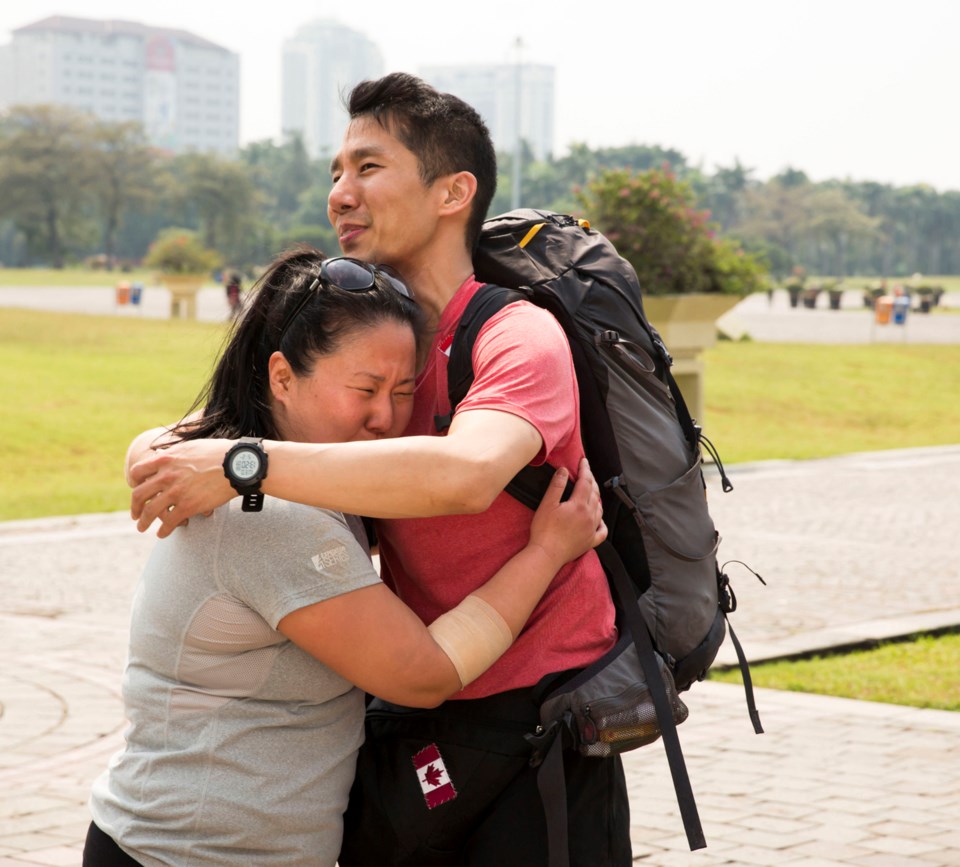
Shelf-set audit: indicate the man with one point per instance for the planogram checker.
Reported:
(412, 183)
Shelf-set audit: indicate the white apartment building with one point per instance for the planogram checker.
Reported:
(322, 61)
(184, 89)
(493, 90)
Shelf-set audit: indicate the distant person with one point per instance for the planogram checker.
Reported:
(233, 293)
(251, 627)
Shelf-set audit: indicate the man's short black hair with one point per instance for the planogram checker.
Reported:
(444, 133)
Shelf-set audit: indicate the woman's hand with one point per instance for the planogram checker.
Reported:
(567, 530)
(179, 482)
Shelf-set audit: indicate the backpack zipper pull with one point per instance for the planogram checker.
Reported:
(589, 733)
(725, 483)
(619, 488)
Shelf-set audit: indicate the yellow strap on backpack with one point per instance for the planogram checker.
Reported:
(530, 235)
(584, 224)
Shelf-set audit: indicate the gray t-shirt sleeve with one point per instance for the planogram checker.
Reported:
(289, 556)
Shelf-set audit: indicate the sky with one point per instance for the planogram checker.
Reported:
(848, 89)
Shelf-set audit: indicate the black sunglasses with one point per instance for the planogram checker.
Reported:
(350, 275)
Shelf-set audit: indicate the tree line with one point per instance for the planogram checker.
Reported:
(74, 189)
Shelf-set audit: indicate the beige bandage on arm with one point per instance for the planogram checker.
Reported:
(473, 635)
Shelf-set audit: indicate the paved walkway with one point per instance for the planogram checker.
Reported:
(155, 301)
(775, 320)
(762, 320)
(852, 548)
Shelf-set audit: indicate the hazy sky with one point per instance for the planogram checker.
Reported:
(862, 89)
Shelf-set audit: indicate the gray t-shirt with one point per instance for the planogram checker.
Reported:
(241, 747)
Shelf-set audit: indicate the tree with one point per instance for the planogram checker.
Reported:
(283, 174)
(777, 213)
(723, 193)
(124, 170)
(220, 196)
(46, 175)
(815, 224)
(651, 218)
(834, 222)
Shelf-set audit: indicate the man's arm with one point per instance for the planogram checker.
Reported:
(418, 476)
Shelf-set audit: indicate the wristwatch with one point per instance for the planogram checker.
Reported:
(245, 467)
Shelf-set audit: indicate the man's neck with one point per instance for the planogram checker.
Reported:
(436, 281)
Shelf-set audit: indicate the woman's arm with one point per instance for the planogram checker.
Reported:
(373, 640)
(404, 477)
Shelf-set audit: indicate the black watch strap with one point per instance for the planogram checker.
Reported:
(253, 502)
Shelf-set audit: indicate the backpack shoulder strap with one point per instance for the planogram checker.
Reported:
(530, 484)
(625, 591)
(486, 302)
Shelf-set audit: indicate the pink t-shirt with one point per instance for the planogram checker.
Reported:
(522, 365)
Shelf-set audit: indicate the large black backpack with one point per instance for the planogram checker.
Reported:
(645, 451)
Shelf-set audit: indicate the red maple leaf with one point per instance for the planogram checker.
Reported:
(432, 776)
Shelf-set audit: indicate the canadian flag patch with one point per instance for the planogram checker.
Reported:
(433, 777)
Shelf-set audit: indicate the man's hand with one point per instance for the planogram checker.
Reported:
(568, 530)
(179, 482)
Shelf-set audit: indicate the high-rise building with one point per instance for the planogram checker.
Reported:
(322, 61)
(493, 90)
(184, 89)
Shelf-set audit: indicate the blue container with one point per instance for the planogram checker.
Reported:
(901, 306)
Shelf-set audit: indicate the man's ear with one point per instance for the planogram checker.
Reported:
(459, 190)
(281, 376)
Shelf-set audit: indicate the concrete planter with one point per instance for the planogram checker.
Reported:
(183, 294)
(688, 325)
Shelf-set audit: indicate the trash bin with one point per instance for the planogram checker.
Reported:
(901, 305)
(123, 293)
(883, 309)
(136, 294)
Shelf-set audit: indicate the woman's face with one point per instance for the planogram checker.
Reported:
(363, 391)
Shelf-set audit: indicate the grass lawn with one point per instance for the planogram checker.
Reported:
(919, 673)
(950, 283)
(784, 400)
(73, 277)
(76, 389)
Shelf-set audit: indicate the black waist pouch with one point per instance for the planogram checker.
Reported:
(425, 778)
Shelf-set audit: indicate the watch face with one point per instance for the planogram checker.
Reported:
(244, 464)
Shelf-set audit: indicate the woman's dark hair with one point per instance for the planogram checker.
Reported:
(444, 133)
(236, 401)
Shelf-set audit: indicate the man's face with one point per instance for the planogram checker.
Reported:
(381, 209)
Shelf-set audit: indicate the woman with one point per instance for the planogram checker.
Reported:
(255, 633)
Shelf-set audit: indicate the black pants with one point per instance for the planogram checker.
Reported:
(497, 817)
(100, 850)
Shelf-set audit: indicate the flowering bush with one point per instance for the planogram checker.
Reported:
(651, 219)
(179, 251)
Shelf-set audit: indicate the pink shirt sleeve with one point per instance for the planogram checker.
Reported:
(522, 365)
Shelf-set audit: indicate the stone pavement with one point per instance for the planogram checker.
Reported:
(852, 548)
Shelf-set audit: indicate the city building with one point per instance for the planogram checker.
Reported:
(493, 89)
(322, 61)
(184, 89)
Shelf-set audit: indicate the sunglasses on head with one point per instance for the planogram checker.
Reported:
(349, 275)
